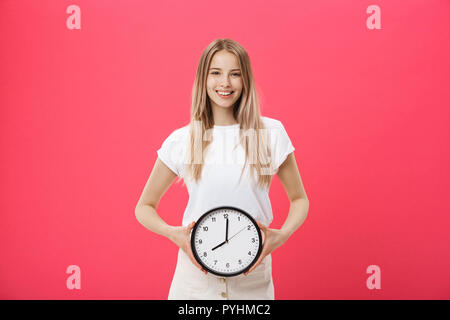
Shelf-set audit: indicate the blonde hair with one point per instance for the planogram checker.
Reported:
(246, 112)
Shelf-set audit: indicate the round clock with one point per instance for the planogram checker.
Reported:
(226, 241)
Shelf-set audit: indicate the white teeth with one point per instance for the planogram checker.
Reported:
(224, 93)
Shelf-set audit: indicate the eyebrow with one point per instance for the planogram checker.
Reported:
(221, 69)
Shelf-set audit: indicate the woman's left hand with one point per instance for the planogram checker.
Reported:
(273, 238)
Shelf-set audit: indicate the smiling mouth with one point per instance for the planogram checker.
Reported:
(226, 93)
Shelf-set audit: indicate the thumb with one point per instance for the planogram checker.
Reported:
(261, 226)
(191, 225)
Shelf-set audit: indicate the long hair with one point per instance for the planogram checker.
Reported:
(246, 111)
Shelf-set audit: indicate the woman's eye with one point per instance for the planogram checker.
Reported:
(234, 74)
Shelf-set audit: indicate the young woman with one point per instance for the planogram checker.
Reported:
(221, 164)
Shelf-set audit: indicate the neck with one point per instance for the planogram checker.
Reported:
(223, 116)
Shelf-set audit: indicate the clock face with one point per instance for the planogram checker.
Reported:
(226, 241)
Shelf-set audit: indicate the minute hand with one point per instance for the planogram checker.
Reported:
(226, 232)
(236, 234)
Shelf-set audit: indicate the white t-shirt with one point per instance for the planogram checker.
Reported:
(219, 184)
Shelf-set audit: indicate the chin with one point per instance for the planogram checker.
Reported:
(228, 105)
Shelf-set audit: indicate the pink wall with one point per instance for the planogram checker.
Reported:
(83, 112)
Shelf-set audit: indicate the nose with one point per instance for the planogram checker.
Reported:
(225, 82)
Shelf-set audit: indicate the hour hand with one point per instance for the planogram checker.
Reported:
(219, 245)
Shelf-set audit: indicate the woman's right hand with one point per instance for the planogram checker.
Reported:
(181, 236)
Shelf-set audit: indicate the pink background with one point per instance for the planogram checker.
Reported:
(84, 111)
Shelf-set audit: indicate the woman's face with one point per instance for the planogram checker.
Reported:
(224, 75)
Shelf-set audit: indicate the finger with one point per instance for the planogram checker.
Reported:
(203, 270)
(254, 266)
(190, 253)
(263, 253)
(261, 257)
(194, 261)
(261, 226)
(191, 225)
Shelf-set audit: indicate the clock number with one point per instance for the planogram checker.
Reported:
(225, 215)
(200, 241)
(253, 239)
(204, 254)
(249, 253)
(213, 219)
(206, 228)
(239, 218)
(248, 227)
(228, 265)
(240, 261)
(215, 261)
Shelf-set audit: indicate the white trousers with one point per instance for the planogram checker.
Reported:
(190, 283)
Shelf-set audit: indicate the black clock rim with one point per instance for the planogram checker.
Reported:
(216, 272)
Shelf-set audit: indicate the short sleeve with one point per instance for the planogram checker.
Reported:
(282, 146)
(171, 151)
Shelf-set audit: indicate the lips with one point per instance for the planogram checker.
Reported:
(226, 91)
(227, 96)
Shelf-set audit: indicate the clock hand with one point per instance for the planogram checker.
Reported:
(226, 232)
(219, 245)
(236, 233)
